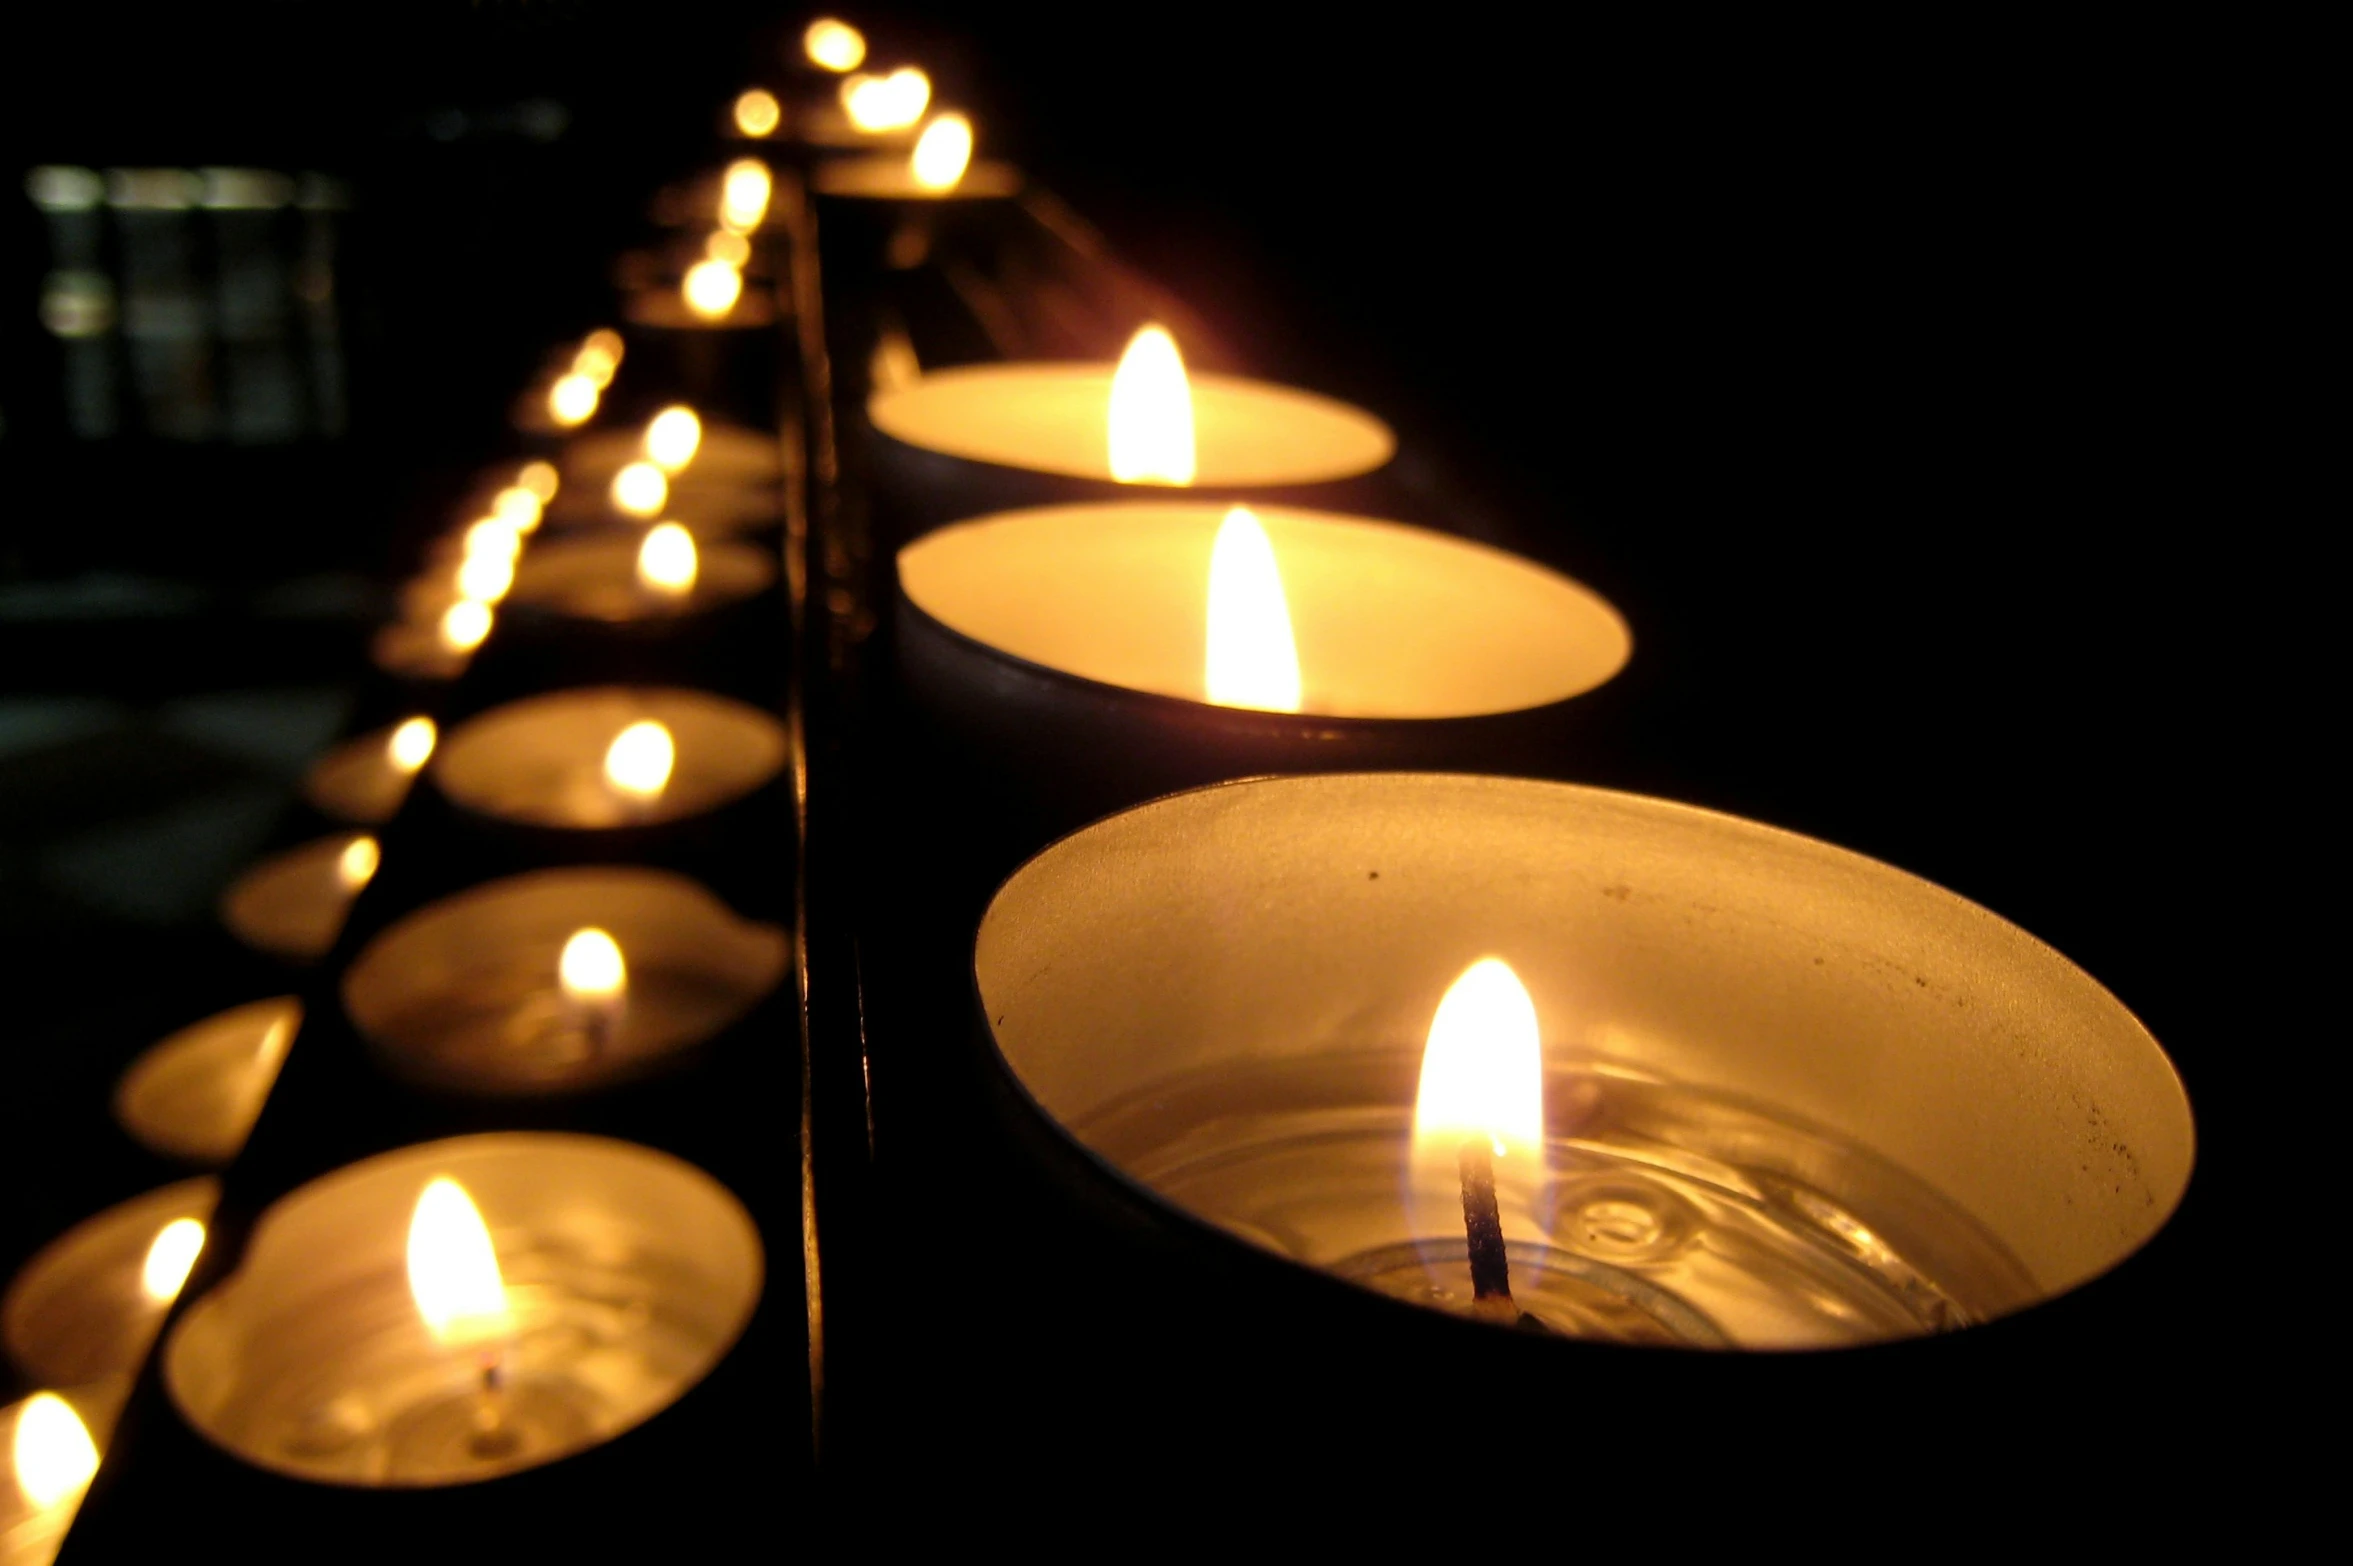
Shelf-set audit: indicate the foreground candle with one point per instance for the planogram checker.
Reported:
(1789, 1097)
(609, 756)
(195, 1095)
(558, 980)
(85, 1308)
(464, 1309)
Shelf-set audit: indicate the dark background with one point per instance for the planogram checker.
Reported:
(1850, 360)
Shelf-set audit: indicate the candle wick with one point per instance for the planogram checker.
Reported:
(1483, 1221)
(494, 1436)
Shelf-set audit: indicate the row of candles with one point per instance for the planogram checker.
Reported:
(1679, 1079)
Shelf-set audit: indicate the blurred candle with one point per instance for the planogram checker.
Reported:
(666, 562)
(743, 195)
(572, 399)
(672, 436)
(595, 979)
(640, 489)
(757, 113)
(195, 1095)
(834, 46)
(639, 761)
(711, 289)
(50, 1460)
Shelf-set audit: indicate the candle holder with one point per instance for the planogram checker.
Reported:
(195, 1095)
(365, 779)
(1790, 1096)
(598, 579)
(44, 1470)
(547, 761)
(483, 992)
(620, 1277)
(292, 904)
(83, 1311)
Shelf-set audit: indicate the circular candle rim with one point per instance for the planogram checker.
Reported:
(195, 1039)
(881, 409)
(858, 179)
(196, 1197)
(724, 1203)
(1698, 815)
(291, 866)
(1260, 717)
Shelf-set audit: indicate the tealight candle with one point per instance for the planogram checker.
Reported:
(660, 576)
(688, 447)
(833, 45)
(86, 1307)
(464, 1309)
(432, 645)
(558, 980)
(939, 168)
(195, 1095)
(365, 779)
(293, 904)
(640, 489)
(47, 1459)
(608, 756)
(1638, 1071)
(756, 113)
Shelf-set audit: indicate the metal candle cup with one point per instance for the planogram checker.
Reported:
(292, 905)
(366, 778)
(627, 1275)
(598, 579)
(83, 1311)
(1777, 1074)
(195, 1095)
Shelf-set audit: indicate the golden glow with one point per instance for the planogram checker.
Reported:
(1253, 661)
(1151, 412)
(886, 103)
(493, 536)
(943, 152)
(833, 46)
(540, 478)
(518, 507)
(640, 489)
(169, 1256)
(411, 745)
(572, 399)
(453, 1271)
(757, 113)
(639, 760)
(599, 356)
(666, 561)
(485, 577)
(1483, 1069)
(53, 1454)
(727, 246)
(672, 438)
(464, 624)
(711, 288)
(743, 194)
(591, 968)
(358, 865)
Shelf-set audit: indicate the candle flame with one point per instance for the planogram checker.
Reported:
(1252, 660)
(1151, 412)
(725, 244)
(666, 561)
(464, 624)
(411, 745)
(540, 478)
(53, 1454)
(518, 507)
(639, 760)
(453, 1271)
(572, 399)
(169, 1257)
(743, 194)
(486, 576)
(886, 103)
(711, 288)
(591, 968)
(757, 113)
(599, 356)
(358, 862)
(833, 45)
(640, 489)
(672, 438)
(942, 153)
(493, 536)
(1483, 1069)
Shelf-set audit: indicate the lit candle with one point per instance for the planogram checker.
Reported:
(608, 756)
(195, 1095)
(756, 113)
(83, 1311)
(638, 763)
(366, 778)
(938, 168)
(696, 452)
(522, 985)
(672, 438)
(661, 576)
(640, 489)
(833, 45)
(292, 904)
(994, 436)
(371, 1334)
(878, 104)
(1730, 1087)
(47, 1462)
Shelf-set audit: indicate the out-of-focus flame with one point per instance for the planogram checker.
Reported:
(486, 576)
(411, 745)
(886, 103)
(833, 46)
(1483, 1069)
(639, 760)
(711, 288)
(464, 624)
(572, 399)
(591, 968)
(943, 152)
(518, 507)
(673, 437)
(666, 561)
(1151, 412)
(169, 1256)
(599, 356)
(757, 113)
(726, 245)
(743, 194)
(53, 1454)
(453, 1271)
(1253, 661)
(640, 489)
(540, 477)
(492, 536)
(357, 865)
